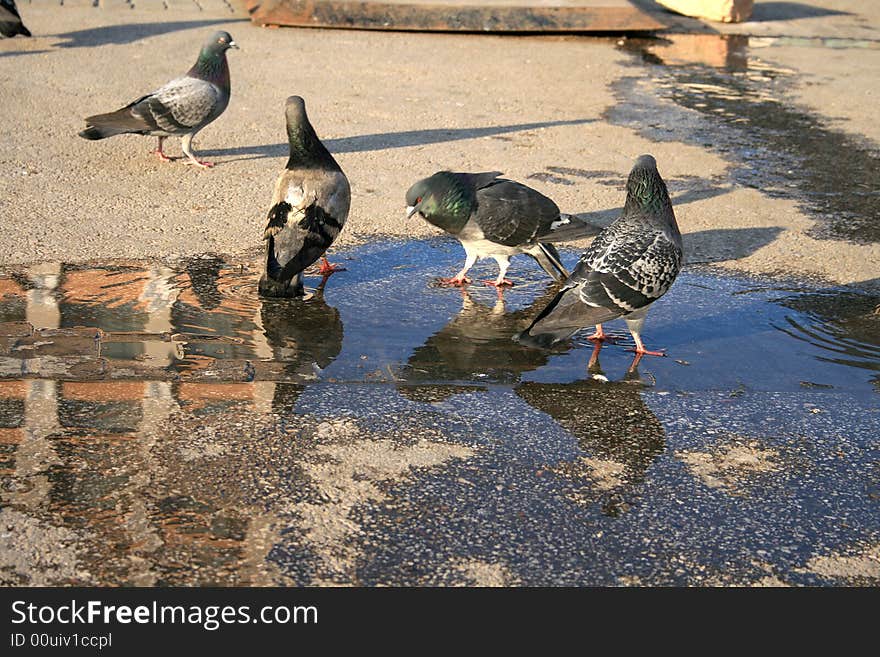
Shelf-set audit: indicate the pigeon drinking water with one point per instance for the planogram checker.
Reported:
(630, 264)
(309, 208)
(492, 217)
(178, 109)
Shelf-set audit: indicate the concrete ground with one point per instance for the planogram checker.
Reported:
(393, 107)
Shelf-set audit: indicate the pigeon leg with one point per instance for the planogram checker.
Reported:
(599, 336)
(327, 268)
(594, 369)
(503, 264)
(640, 348)
(461, 279)
(634, 366)
(185, 144)
(160, 153)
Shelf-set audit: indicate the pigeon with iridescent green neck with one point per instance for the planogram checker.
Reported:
(492, 217)
(629, 265)
(10, 20)
(178, 109)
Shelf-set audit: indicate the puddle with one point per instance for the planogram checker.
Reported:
(389, 322)
(162, 425)
(736, 106)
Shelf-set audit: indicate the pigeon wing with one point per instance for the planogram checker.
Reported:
(512, 214)
(625, 270)
(181, 106)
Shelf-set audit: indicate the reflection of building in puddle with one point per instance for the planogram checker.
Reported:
(475, 346)
(12, 396)
(78, 457)
(194, 480)
(206, 398)
(121, 299)
(613, 425)
(217, 308)
(81, 460)
(108, 407)
(42, 303)
(13, 300)
(719, 51)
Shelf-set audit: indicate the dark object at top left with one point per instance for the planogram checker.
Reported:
(10, 20)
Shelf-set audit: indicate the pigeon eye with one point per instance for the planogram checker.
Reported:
(418, 200)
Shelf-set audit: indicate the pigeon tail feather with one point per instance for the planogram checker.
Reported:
(119, 122)
(567, 228)
(548, 258)
(564, 316)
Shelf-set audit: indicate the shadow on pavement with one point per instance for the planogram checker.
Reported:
(129, 33)
(404, 139)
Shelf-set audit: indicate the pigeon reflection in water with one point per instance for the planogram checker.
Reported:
(305, 334)
(619, 434)
(477, 346)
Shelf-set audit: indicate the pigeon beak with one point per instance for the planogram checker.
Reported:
(233, 44)
(410, 210)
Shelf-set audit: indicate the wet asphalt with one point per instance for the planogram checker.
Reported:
(387, 430)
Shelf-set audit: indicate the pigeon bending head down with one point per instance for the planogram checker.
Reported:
(492, 217)
(630, 264)
(10, 20)
(309, 208)
(180, 108)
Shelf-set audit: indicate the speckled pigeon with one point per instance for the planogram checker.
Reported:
(630, 265)
(309, 208)
(492, 217)
(10, 20)
(178, 109)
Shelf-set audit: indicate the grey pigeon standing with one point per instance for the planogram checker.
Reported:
(178, 109)
(309, 208)
(629, 265)
(10, 20)
(492, 217)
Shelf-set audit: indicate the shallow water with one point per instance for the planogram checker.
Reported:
(165, 426)
(720, 93)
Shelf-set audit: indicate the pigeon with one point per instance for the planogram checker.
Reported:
(492, 217)
(630, 264)
(309, 208)
(178, 109)
(10, 20)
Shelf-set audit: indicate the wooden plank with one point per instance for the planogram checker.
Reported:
(493, 16)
